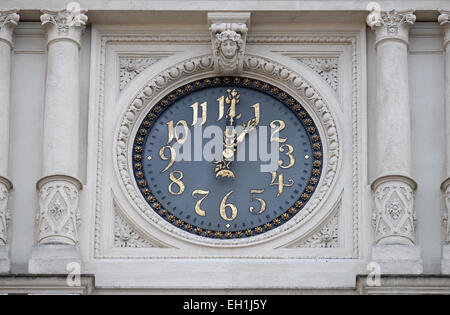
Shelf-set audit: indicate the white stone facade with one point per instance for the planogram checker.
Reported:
(76, 81)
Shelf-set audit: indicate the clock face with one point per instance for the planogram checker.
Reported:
(234, 194)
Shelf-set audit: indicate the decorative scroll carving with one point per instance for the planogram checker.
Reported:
(394, 214)
(444, 17)
(327, 237)
(327, 68)
(8, 20)
(125, 236)
(228, 42)
(130, 67)
(65, 19)
(58, 218)
(4, 213)
(391, 24)
(391, 20)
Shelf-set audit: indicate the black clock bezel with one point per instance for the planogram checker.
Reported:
(165, 102)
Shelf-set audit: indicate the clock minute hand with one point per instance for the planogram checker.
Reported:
(248, 127)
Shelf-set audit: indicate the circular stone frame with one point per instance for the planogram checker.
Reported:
(199, 68)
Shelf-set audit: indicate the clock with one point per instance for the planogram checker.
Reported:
(235, 194)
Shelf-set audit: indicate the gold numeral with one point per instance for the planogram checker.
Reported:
(261, 201)
(221, 101)
(288, 152)
(275, 134)
(196, 192)
(257, 113)
(280, 182)
(165, 158)
(223, 207)
(195, 113)
(176, 181)
(171, 134)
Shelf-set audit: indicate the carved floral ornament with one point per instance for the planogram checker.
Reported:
(69, 22)
(394, 214)
(58, 218)
(445, 187)
(391, 24)
(8, 20)
(203, 65)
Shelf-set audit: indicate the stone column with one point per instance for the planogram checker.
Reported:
(8, 20)
(393, 216)
(58, 217)
(444, 20)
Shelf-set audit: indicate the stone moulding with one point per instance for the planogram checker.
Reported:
(260, 39)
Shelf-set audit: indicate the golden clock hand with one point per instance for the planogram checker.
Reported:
(223, 168)
(248, 127)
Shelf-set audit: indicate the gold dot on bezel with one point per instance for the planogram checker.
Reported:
(228, 226)
(306, 156)
(149, 157)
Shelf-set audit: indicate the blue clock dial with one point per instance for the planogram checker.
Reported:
(227, 191)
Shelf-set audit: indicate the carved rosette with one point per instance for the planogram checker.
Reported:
(228, 44)
(391, 24)
(8, 20)
(394, 217)
(58, 218)
(5, 216)
(67, 23)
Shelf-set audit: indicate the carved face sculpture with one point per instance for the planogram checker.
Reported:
(229, 48)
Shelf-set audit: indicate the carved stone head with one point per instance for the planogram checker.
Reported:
(228, 46)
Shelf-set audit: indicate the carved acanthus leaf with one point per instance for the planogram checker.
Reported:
(126, 237)
(391, 20)
(130, 67)
(326, 237)
(72, 16)
(444, 17)
(327, 68)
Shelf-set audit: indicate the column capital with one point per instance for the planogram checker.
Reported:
(391, 25)
(8, 21)
(65, 24)
(444, 21)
